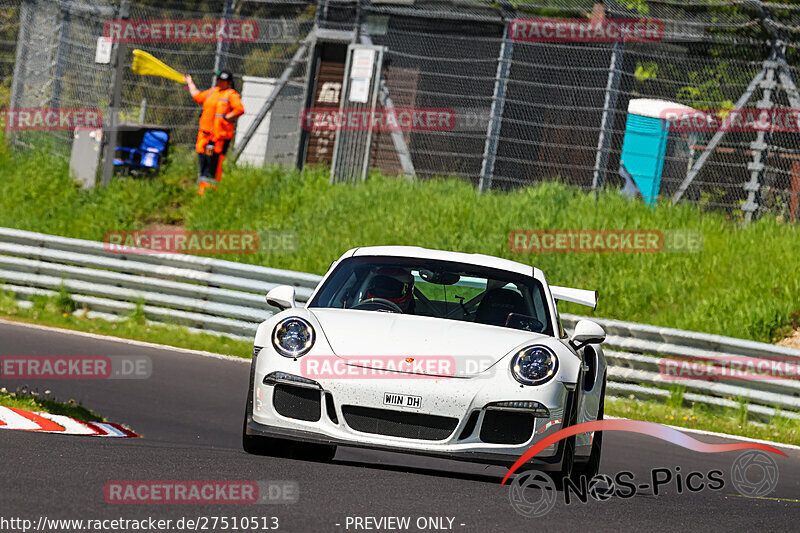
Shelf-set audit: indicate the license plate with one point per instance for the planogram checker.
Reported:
(402, 400)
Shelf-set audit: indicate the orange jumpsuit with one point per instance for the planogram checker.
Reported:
(213, 126)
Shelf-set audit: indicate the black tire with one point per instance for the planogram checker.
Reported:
(568, 456)
(592, 466)
(567, 464)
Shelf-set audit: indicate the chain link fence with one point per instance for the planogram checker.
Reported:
(56, 59)
(9, 27)
(526, 110)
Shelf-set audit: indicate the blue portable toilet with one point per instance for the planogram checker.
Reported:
(646, 145)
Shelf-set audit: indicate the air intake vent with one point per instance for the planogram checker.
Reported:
(506, 427)
(398, 423)
(301, 403)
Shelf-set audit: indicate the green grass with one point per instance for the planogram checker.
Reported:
(744, 283)
(23, 398)
(708, 418)
(55, 311)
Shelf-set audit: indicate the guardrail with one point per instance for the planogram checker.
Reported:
(200, 293)
(227, 298)
(637, 356)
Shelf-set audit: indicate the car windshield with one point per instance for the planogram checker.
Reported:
(441, 289)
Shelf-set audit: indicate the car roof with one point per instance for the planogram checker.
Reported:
(442, 255)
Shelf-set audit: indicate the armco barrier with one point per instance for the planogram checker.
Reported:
(224, 297)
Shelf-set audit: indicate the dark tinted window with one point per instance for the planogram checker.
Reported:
(453, 291)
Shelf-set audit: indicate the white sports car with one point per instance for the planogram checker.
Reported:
(446, 354)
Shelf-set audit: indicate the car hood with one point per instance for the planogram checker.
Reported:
(417, 344)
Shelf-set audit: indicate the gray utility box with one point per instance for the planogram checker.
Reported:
(277, 137)
(85, 156)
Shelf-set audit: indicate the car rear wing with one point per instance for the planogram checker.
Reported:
(576, 296)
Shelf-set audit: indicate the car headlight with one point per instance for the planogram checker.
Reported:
(293, 337)
(534, 365)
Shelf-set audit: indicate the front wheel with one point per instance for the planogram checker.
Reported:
(568, 465)
(592, 466)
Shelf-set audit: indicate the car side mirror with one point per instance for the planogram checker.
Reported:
(587, 332)
(281, 297)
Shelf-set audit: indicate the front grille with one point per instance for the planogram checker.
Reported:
(506, 427)
(301, 403)
(398, 423)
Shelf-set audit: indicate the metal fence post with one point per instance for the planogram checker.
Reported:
(20, 63)
(222, 47)
(496, 112)
(111, 125)
(756, 166)
(609, 114)
(61, 53)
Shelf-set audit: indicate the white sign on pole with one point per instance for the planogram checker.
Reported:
(359, 90)
(102, 53)
(360, 74)
(361, 64)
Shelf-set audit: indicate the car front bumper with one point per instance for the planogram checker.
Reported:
(453, 398)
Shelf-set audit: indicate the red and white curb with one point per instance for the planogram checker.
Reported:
(12, 418)
(548, 425)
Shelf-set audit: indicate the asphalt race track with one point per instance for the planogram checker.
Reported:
(189, 414)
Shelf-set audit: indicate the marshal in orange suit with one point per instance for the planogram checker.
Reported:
(222, 105)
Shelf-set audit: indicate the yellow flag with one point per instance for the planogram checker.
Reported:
(145, 64)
